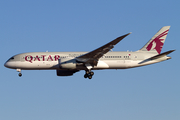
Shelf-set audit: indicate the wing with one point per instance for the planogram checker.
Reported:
(91, 58)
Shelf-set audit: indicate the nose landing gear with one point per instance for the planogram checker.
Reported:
(19, 70)
(20, 74)
(89, 74)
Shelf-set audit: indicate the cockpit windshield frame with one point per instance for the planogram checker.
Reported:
(12, 58)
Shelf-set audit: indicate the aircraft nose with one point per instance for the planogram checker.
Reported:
(6, 64)
(9, 64)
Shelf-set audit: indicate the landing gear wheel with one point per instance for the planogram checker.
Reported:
(19, 70)
(87, 72)
(90, 76)
(86, 75)
(91, 73)
(20, 74)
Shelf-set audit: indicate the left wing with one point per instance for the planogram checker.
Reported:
(91, 59)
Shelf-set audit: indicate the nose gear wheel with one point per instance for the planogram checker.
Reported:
(20, 74)
(19, 70)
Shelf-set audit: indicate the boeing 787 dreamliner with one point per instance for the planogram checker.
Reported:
(68, 63)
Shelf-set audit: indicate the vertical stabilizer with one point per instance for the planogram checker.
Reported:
(156, 43)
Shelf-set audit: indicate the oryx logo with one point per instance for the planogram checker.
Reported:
(157, 43)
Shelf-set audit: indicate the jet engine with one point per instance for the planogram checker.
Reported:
(67, 63)
(65, 72)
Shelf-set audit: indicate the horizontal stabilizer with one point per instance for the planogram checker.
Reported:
(156, 57)
(161, 55)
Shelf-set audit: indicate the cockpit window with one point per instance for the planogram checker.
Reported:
(12, 58)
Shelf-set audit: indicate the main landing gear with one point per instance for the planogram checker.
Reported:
(19, 70)
(89, 74)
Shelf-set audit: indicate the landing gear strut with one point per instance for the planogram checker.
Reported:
(89, 74)
(19, 70)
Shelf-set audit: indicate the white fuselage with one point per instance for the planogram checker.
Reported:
(50, 60)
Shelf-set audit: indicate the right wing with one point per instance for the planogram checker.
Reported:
(91, 58)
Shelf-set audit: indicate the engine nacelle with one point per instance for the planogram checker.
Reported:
(65, 72)
(67, 63)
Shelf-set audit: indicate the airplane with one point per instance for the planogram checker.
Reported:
(68, 63)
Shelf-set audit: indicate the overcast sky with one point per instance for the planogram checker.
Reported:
(144, 93)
